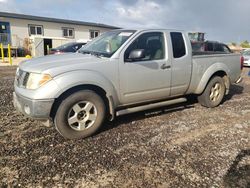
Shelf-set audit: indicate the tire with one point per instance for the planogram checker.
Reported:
(80, 115)
(213, 93)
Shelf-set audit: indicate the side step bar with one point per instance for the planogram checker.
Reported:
(150, 106)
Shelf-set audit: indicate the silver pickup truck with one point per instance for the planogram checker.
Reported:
(120, 72)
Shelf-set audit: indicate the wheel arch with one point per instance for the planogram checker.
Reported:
(220, 71)
(108, 100)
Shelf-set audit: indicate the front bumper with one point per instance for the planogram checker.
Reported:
(38, 109)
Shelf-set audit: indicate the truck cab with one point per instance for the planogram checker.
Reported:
(150, 75)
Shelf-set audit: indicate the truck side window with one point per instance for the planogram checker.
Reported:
(179, 49)
(152, 43)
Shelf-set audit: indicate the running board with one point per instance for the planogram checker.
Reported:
(150, 106)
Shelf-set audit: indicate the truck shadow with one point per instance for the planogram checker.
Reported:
(191, 102)
(238, 175)
(137, 116)
(234, 90)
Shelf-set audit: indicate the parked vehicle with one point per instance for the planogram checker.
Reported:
(246, 56)
(66, 48)
(209, 47)
(121, 72)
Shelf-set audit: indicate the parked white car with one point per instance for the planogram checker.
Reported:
(246, 56)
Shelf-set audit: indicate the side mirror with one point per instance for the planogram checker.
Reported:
(137, 54)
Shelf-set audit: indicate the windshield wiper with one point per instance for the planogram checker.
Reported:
(97, 54)
(85, 52)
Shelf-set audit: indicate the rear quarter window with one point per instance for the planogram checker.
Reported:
(178, 44)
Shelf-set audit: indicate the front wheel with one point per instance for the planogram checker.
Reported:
(213, 93)
(80, 115)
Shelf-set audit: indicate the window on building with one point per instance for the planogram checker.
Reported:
(3, 28)
(68, 32)
(94, 34)
(35, 30)
(178, 44)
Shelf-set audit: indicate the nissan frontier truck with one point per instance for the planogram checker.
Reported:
(120, 72)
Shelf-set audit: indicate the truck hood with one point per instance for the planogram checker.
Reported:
(53, 63)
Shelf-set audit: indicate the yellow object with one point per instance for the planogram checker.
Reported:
(28, 57)
(2, 54)
(9, 54)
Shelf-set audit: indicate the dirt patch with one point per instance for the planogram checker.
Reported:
(183, 145)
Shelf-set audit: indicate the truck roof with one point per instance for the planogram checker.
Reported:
(143, 30)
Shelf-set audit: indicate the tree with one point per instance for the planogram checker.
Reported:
(234, 43)
(245, 44)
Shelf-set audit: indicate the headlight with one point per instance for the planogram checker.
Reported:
(37, 80)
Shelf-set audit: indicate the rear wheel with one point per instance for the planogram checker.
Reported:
(80, 115)
(213, 93)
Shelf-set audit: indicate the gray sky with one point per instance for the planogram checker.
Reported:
(223, 20)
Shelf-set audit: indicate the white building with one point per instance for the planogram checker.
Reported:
(35, 33)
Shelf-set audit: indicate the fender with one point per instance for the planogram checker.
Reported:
(71, 79)
(216, 67)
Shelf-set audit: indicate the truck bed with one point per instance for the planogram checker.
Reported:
(208, 53)
(204, 63)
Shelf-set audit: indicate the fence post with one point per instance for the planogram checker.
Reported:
(2, 53)
(9, 54)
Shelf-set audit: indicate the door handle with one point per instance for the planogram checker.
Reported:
(164, 66)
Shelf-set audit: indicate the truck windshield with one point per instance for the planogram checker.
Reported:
(107, 44)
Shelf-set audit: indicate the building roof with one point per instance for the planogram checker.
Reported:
(57, 20)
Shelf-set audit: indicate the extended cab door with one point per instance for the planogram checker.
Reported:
(181, 63)
(148, 78)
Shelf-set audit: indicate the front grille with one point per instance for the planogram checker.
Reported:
(25, 79)
(21, 78)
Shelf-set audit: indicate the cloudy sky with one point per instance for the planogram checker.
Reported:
(224, 20)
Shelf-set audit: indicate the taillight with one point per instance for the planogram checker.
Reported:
(58, 52)
(241, 62)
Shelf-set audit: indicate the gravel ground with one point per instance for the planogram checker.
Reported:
(185, 145)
